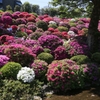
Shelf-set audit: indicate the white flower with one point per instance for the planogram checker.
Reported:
(52, 22)
(26, 75)
(71, 33)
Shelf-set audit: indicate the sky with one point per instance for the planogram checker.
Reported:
(41, 3)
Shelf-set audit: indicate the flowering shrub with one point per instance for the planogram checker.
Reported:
(10, 70)
(31, 27)
(64, 75)
(35, 35)
(20, 21)
(60, 53)
(5, 38)
(92, 74)
(3, 60)
(26, 75)
(75, 48)
(50, 41)
(40, 69)
(19, 53)
(7, 20)
(36, 49)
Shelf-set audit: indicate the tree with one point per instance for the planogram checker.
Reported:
(92, 38)
(35, 9)
(26, 7)
(17, 8)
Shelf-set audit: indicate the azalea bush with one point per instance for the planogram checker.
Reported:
(40, 69)
(19, 53)
(3, 60)
(75, 48)
(64, 75)
(26, 75)
(50, 41)
(92, 73)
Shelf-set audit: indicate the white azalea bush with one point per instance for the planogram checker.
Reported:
(26, 75)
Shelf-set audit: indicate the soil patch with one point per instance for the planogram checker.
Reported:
(92, 93)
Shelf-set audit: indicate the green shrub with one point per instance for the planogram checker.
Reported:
(72, 24)
(42, 24)
(10, 70)
(16, 90)
(62, 28)
(80, 59)
(47, 50)
(96, 57)
(21, 34)
(46, 57)
(52, 25)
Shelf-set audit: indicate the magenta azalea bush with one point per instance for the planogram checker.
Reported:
(40, 68)
(3, 60)
(19, 53)
(60, 53)
(92, 72)
(50, 41)
(75, 48)
(65, 75)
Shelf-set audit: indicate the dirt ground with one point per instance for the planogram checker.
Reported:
(84, 94)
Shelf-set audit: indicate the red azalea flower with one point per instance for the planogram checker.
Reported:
(51, 29)
(14, 27)
(28, 31)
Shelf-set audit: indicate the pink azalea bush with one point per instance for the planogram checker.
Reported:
(19, 53)
(64, 75)
(3, 60)
(50, 41)
(40, 68)
(75, 48)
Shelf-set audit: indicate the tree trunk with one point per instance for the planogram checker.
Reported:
(92, 37)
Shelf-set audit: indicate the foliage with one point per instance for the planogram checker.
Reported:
(42, 24)
(17, 8)
(40, 69)
(64, 75)
(47, 57)
(10, 70)
(96, 57)
(26, 75)
(35, 9)
(80, 59)
(21, 34)
(62, 28)
(12, 90)
(26, 7)
(92, 73)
